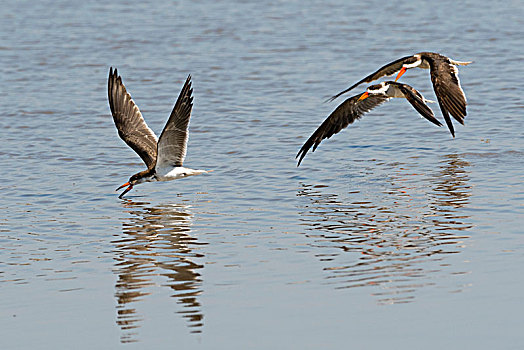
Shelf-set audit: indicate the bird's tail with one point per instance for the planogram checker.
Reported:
(460, 63)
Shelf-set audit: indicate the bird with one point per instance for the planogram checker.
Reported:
(356, 106)
(444, 77)
(163, 156)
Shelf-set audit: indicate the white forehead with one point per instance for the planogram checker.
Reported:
(382, 90)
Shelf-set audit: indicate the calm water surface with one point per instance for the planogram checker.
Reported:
(392, 234)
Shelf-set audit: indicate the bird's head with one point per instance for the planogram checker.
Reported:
(376, 89)
(411, 62)
(136, 179)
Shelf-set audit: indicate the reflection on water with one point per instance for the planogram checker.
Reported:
(389, 240)
(156, 248)
(450, 193)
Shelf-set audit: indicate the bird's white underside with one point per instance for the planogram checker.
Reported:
(170, 173)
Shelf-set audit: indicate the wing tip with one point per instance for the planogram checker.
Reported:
(302, 152)
(113, 72)
(330, 99)
(301, 157)
(189, 88)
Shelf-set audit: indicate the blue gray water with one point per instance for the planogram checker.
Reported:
(392, 234)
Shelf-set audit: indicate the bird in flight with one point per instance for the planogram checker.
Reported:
(355, 107)
(444, 76)
(163, 156)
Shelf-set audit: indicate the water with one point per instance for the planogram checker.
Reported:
(391, 234)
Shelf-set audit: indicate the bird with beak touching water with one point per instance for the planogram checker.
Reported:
(164, 156)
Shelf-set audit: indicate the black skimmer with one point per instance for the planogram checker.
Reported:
(444, 76)
(163, 156)
(354, 107)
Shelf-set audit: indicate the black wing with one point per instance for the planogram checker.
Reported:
(417, 101)
(345, 114)
(450, 95)
(172, 144)
(387, 70)
(129, 121)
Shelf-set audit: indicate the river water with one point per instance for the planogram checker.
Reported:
(391, 234)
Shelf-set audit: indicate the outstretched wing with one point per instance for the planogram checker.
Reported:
(129, 122)
(345, 114)
(450, 95)
(417, 101)
(387, 70)
(172, 144)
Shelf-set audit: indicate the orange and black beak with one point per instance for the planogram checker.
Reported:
(402, 71)
(364, 96)
(126, 190)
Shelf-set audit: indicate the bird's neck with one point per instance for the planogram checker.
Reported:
(424, 64)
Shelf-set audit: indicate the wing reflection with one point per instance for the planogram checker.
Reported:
(156, 249)
(391, 240)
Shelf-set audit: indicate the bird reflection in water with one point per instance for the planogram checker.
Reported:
(156, 249)
(397, 240)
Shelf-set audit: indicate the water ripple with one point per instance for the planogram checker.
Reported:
(396, 243)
